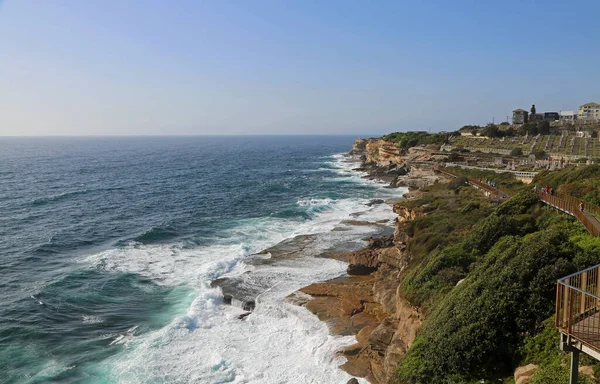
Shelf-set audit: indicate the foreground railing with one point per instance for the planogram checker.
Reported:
(578, 306)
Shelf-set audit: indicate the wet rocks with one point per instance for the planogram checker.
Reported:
(244, 315)
(237, 293)
(359, 269)
(375, 202)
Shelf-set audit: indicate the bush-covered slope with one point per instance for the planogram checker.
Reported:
(490, 292)
(582, 182)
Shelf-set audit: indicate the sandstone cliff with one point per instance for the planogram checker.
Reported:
(377, 151)
(383, 160)
(368, 304)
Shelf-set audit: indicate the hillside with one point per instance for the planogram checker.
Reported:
(482, 273)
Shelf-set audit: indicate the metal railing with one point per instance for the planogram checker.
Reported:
(578, 306)
(571, 206)
(568, 204)
(473, 182)
(588, 207)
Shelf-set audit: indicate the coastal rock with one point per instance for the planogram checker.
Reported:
(524, 374)
(409, 319)
(396, 257)
(366, 257)
(375, 202)
(380, 242)
(360, 270)
(381, 337)
(382, 153)
(394, 352)
(385, 286)
(244, 315)
(406, 213)
(359, 147)
(236, 293)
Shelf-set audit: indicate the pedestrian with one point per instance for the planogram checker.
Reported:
(581, 206)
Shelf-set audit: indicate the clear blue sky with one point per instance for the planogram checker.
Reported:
(289, 67)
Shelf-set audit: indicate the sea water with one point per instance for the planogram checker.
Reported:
(108, 247)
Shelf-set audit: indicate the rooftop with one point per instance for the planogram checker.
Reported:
(592, 104)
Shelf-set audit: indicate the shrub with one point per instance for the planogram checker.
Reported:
(474, 332)
(515, 152)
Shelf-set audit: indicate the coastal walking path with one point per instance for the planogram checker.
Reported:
(564, 203)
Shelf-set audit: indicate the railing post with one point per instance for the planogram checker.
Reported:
(565, 306)
(583, 287)
(574, 376)
(570, 315)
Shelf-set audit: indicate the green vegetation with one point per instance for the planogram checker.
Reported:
(527, 140)
(516, 152)
(485, 277)
(507, 180)
(582, 182)
(406, 140)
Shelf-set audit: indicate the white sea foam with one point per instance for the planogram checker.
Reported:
(91, 319)
(206, 342)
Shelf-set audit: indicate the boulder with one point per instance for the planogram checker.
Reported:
(375, 202)
(524, 374)
(381, 337)
(360, 270)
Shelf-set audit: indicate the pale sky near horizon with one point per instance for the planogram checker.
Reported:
(92, 67)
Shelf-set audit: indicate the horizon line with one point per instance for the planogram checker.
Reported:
(190, 135)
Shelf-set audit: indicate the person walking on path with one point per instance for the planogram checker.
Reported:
(581, 206)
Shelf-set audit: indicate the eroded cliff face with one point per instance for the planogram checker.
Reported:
(377, 152)
(370, 305)
(383, 160)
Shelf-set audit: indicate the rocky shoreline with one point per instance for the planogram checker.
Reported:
(366, 302)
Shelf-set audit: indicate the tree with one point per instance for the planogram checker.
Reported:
(492, 130)
(540, 154)
(594, 134)
(533, 109)
(516, 152)
(529, 128)
(544, 128)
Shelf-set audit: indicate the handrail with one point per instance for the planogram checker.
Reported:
(469, 180)
(588, 207)
(578, 306)
(571, 208)
(566, 203)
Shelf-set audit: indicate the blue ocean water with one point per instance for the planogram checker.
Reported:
(108, 247)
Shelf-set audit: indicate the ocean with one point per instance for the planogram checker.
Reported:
(108, 246)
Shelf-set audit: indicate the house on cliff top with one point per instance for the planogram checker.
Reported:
(589, 111)
(520, 116)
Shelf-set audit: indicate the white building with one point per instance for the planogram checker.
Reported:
(589, 111)
(567, 116)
